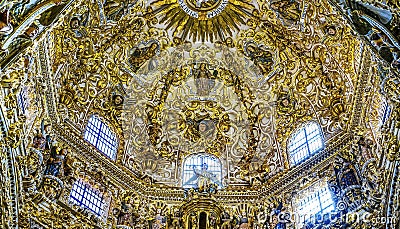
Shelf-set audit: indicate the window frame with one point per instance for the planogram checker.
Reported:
(201, 155)
(319, 189)
(305, 142)
(86, 193)
(100, 135)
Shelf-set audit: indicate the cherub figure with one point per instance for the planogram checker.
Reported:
(78, 22)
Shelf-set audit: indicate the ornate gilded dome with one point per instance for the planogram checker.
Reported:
(199, 114)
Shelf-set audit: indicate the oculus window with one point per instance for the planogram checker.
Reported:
(84, 195)
(315, 203)
(200, 170)
(101, 136)
(305, 142)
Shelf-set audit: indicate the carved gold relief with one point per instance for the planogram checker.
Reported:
(268, 69)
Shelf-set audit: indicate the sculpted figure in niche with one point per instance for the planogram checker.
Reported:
(159, 221)
(19, 44)
(33, 163)
(212, 221)
(261, 57)
(365, 148)
(372, 179)
(226, 220)
(38, 142)
(55, 164)
(5, 23)
(139, 56)
(206, 128)
(46, 132)
(204, 80)
(244, 222)
(35, 158)
(77, 24)
(274, 216)
(128, 213)
(176, 219)
(51, 187)
(193, 221)
(287, 9)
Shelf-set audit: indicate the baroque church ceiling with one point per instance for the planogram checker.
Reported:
(230, 80)
(251, 72)
(175, 78)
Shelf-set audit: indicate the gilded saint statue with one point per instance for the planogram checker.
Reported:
(287, 9)
(55, 164)
(204, 80)
(159, 221)
(139, 56)
(261, 57)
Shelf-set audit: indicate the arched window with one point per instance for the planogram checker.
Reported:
(200, 167)
(84, 195)
(305, 142)
(101, 136)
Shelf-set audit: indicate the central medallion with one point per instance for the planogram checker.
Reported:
(204, 20)
(203, 9)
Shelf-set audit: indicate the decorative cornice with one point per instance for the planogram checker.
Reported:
(128, 180)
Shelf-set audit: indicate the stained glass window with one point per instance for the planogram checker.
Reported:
(86, 196)
(201, 165)
(305, 142)
(315, 205)
(101, 136)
